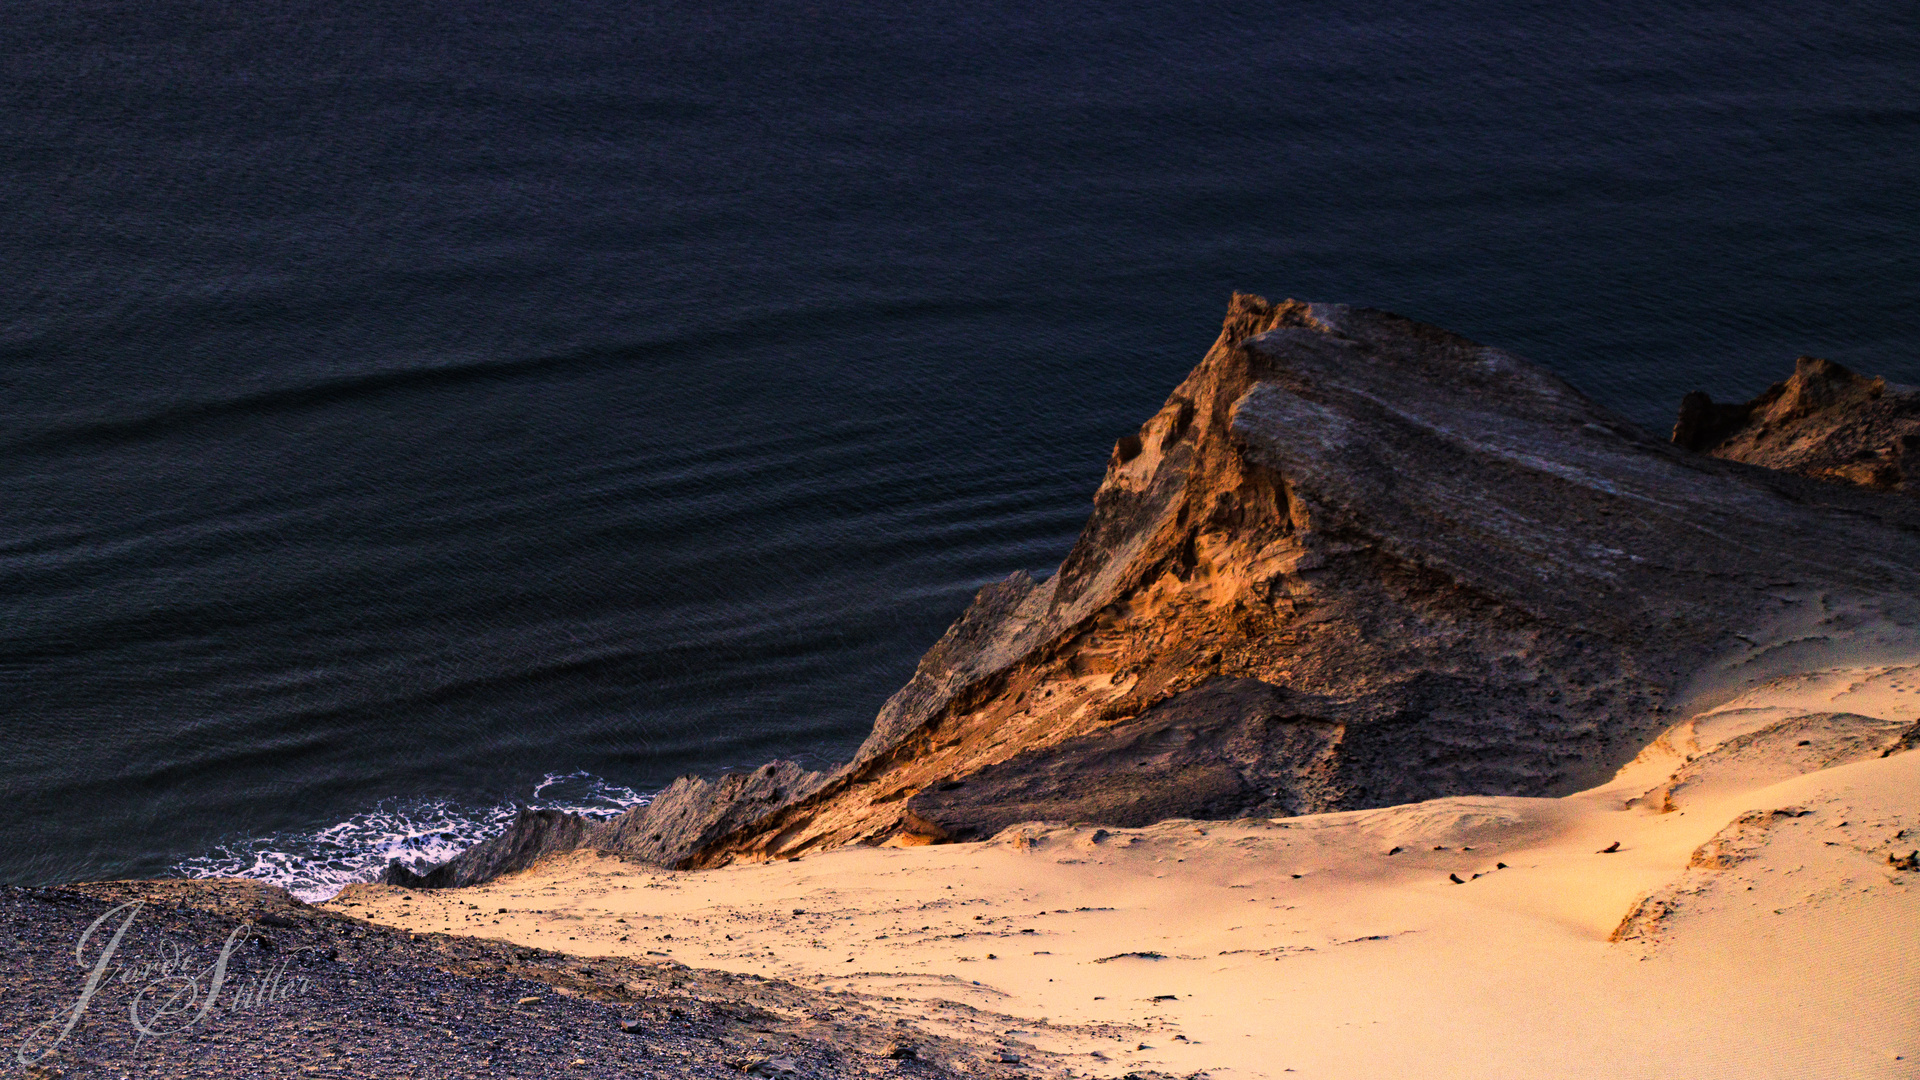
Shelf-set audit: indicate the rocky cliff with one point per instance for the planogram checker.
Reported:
(1353, 561)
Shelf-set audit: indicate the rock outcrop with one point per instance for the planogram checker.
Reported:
(533, 833)
(692, 813)
(1353, 561)
(689, 814)
(1825, 422)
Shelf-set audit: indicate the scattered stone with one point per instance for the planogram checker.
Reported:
(375, 1002)
(1499, 866)
(1165, 997)
(1909, 861)
(1396, 850)
(1455, 878)
(1610, 848)
(903, 1051)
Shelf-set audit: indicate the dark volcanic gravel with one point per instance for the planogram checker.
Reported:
(312, 993)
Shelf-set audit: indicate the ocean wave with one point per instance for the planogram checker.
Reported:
(316, 865)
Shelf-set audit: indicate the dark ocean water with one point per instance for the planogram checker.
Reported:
(417, 409)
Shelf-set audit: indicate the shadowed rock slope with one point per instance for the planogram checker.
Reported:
(1353, 561)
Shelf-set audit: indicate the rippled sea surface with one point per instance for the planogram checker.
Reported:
(410, 411)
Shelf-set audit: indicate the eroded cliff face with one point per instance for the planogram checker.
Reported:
(1824, 421)
(1353, 561)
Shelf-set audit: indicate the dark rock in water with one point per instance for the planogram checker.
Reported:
(1354, 561)
(533, 833)
(1825, 422)
(691, 812)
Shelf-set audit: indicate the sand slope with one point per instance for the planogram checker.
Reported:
(1742, 944)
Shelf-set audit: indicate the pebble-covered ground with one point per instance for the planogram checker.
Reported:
(309, 993)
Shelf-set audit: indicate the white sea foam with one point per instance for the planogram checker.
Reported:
(315, 865)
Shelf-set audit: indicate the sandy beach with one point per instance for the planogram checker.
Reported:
(1732, 904)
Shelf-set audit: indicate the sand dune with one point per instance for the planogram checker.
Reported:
(1750, 922)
